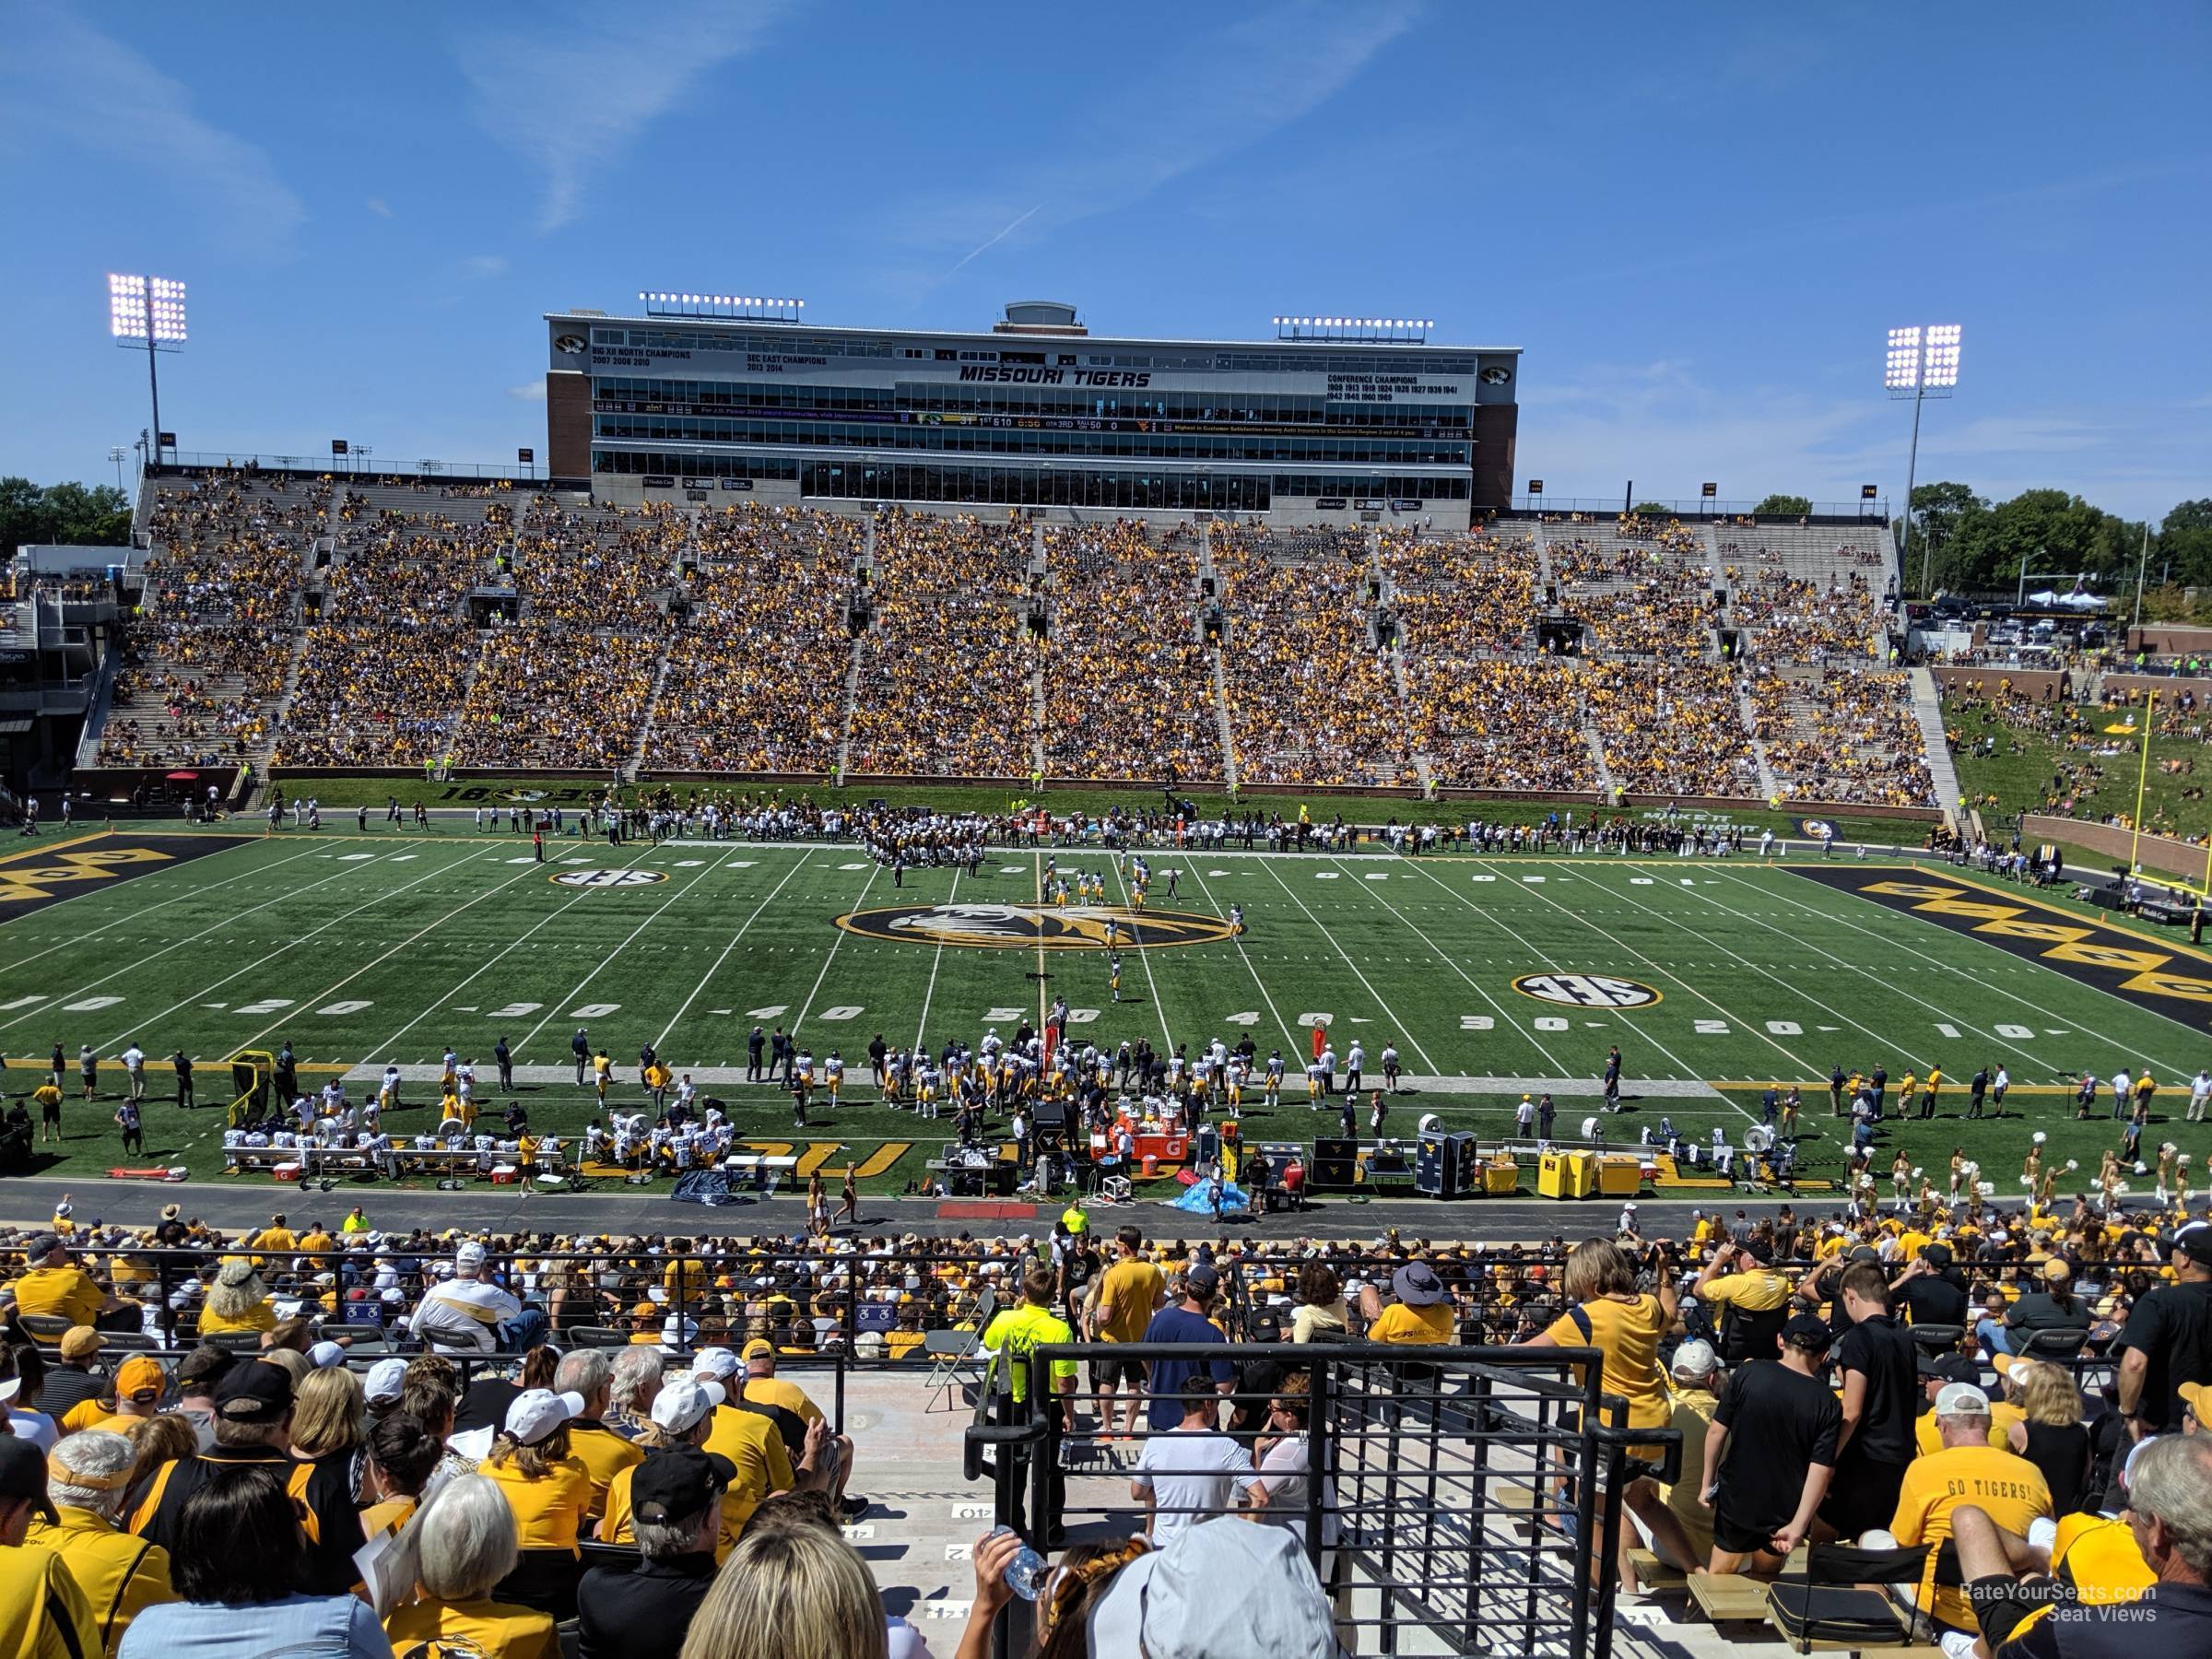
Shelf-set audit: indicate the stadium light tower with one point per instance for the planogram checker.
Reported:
(1923, 363)
(149, 310)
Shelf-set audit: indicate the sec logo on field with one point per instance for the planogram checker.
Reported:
(607, 879)
(1586, 990)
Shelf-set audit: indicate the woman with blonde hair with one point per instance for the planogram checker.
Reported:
(237, 1300)
(458, 1547)
(2050, 1434)
(1607, 1312)
(327, 1409)
(790, 1593)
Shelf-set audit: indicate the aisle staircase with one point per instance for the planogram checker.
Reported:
(844, 719)
(1927, 708)
(1769, 788)
(631, 767)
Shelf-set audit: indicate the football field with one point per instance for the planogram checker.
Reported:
(1492, 976)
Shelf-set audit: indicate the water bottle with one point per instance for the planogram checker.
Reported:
(1026, 1573)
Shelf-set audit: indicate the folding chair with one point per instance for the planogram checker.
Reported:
(1827, 1604)
(46, 1330)
(1933, 1339)
(952, 1352)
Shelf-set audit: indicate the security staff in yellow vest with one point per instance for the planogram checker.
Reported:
(253, 1419)
(43, 1614)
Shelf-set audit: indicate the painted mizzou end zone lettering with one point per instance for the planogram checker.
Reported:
(34, 879)
(2127, 965)
(1035, 926)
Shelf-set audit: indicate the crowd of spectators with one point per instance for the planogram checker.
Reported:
(1671, 727)
(756, 680)
(1128, 687)
(1841, 734)
(1311, 698)
(946, 669)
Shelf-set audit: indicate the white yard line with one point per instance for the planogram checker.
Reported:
(1282, 1025)
(797, 865)
(837, 944)
(705, 870)
(52, 1002)
(1427, 1059)
(394, 950)
(1509, 1021)
(1756, 1027)
(288, 945)
(80, 941)
(2013, 996)
(936, 961)
(1144, 956)
(1687, 1068)
(560, 910)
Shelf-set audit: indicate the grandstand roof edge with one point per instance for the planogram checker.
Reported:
(809, 327)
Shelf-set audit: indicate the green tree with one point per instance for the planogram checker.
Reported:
(1652, 509)
(1785, 506)
(72, 514)
(2052, 530)
(2184, 545)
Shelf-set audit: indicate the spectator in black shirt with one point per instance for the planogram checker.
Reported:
(644, 1612)
(1771, 1452)
(1876, 1358)
(1933, 1291)
(2168, 1339)
(2054, 1306)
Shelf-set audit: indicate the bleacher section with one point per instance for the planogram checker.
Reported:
(308, 621)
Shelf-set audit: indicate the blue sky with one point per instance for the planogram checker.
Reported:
(1697, 220)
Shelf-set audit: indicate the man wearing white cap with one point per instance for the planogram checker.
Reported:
(1969, 1470)
(464, 1315)
(382, 1387)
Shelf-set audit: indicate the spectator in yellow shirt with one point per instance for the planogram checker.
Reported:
(237, 1301)
(604, 1453)
(1969, 1470)
(56, 1285)
(120, 1575)
(1419, 1314)
(457, 1551)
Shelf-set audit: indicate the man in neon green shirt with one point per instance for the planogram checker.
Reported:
(1013, 1336)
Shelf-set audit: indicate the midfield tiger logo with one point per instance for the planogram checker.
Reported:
(1035, 926)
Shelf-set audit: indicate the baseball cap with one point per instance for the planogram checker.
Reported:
(536, 1412)
(679, 1482)
(1936, 1254)
(81, 1342)
(2195, 1243)
(469, 1256)
(759, 1347)
(1416, 1285)
(387, 1378)
(1695, 1358)
(678, 1408)
(42, 1244)
(254, 1391)
(1169, 1604)
(1962, 1399)
(324, 1355)
(2055, 1269)
(23, 1474)
(2197, 1396)
(1951, 1368)
(1808, 1331)
(140, 1379)
(715, 1361)
(2008, 1363)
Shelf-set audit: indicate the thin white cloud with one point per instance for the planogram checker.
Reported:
(481, 266)
(528, 392)
(1234, 85)
(63, 80)
(1007, 230)
(570, 92)
(378, 206)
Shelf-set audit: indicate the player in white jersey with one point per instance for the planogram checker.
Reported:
(833, 1074)
(1275, 1079)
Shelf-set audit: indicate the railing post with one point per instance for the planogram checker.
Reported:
(1321, 1451)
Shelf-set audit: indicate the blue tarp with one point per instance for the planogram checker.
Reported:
(1198, 1199)
(705, 1186)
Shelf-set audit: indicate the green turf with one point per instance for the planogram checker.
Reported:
(367, 949)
